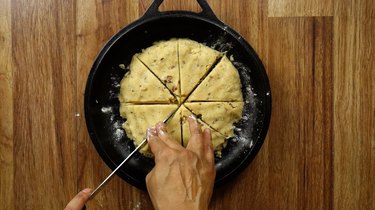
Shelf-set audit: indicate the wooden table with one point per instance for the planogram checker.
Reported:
(319, 55)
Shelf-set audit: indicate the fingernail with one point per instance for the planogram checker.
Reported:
(192, 116)
(150, 133)
(162, 132)
(160, 127)
(87, 190)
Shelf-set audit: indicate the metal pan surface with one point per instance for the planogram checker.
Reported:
(101, 95)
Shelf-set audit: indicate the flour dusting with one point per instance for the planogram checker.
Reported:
(107, 109)
(138, 206)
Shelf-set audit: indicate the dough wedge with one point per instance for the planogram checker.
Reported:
(139, 85)
(218, 140)
(162, 59)
(218, 115)
(140, 117)
(195, 60)
(223, 83)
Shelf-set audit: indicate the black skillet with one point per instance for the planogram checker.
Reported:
(102, 89)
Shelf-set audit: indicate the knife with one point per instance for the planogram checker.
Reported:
(109, 177)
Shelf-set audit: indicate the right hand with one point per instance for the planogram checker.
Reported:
(183, 178)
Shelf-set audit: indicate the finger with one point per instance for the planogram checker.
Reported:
(78, 202)
(207, 139)
(166, 137)
(154, 142)
(195, 141)
(194, 127)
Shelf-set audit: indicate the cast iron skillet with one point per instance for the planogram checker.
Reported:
(102, 89)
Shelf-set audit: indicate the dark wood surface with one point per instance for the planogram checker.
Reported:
(320, 149)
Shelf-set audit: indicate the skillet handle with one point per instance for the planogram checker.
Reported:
(207, 12)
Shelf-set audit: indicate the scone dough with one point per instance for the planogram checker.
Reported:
(221, 84)
(140, 117)
(219, 115)
(218, 139)
(139, 85)
(161, 78)
(162, 59)
(195, 60)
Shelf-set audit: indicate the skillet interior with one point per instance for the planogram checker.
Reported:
(101, 96)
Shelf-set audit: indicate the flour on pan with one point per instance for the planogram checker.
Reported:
(221, 43)
(118, 132)
(243, 135)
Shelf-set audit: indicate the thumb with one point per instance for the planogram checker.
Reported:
(155, 142)
(78, 202)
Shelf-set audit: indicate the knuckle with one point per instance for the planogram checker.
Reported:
(81, 196)
(186, 155)
(196, 136)
(166, 154)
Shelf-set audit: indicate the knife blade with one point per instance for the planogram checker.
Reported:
(109, 177)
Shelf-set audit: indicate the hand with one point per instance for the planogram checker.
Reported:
(182, 178)
(78, 202)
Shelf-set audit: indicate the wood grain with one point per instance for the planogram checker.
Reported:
(97, 22)
(6, 108)
(319, 152)
(299, 69)
(168, 5)
(319, 163)
(44, 103)
(300, 8)
(254, 28)
(354, 109)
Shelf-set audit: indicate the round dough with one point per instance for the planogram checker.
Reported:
(185, 77)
